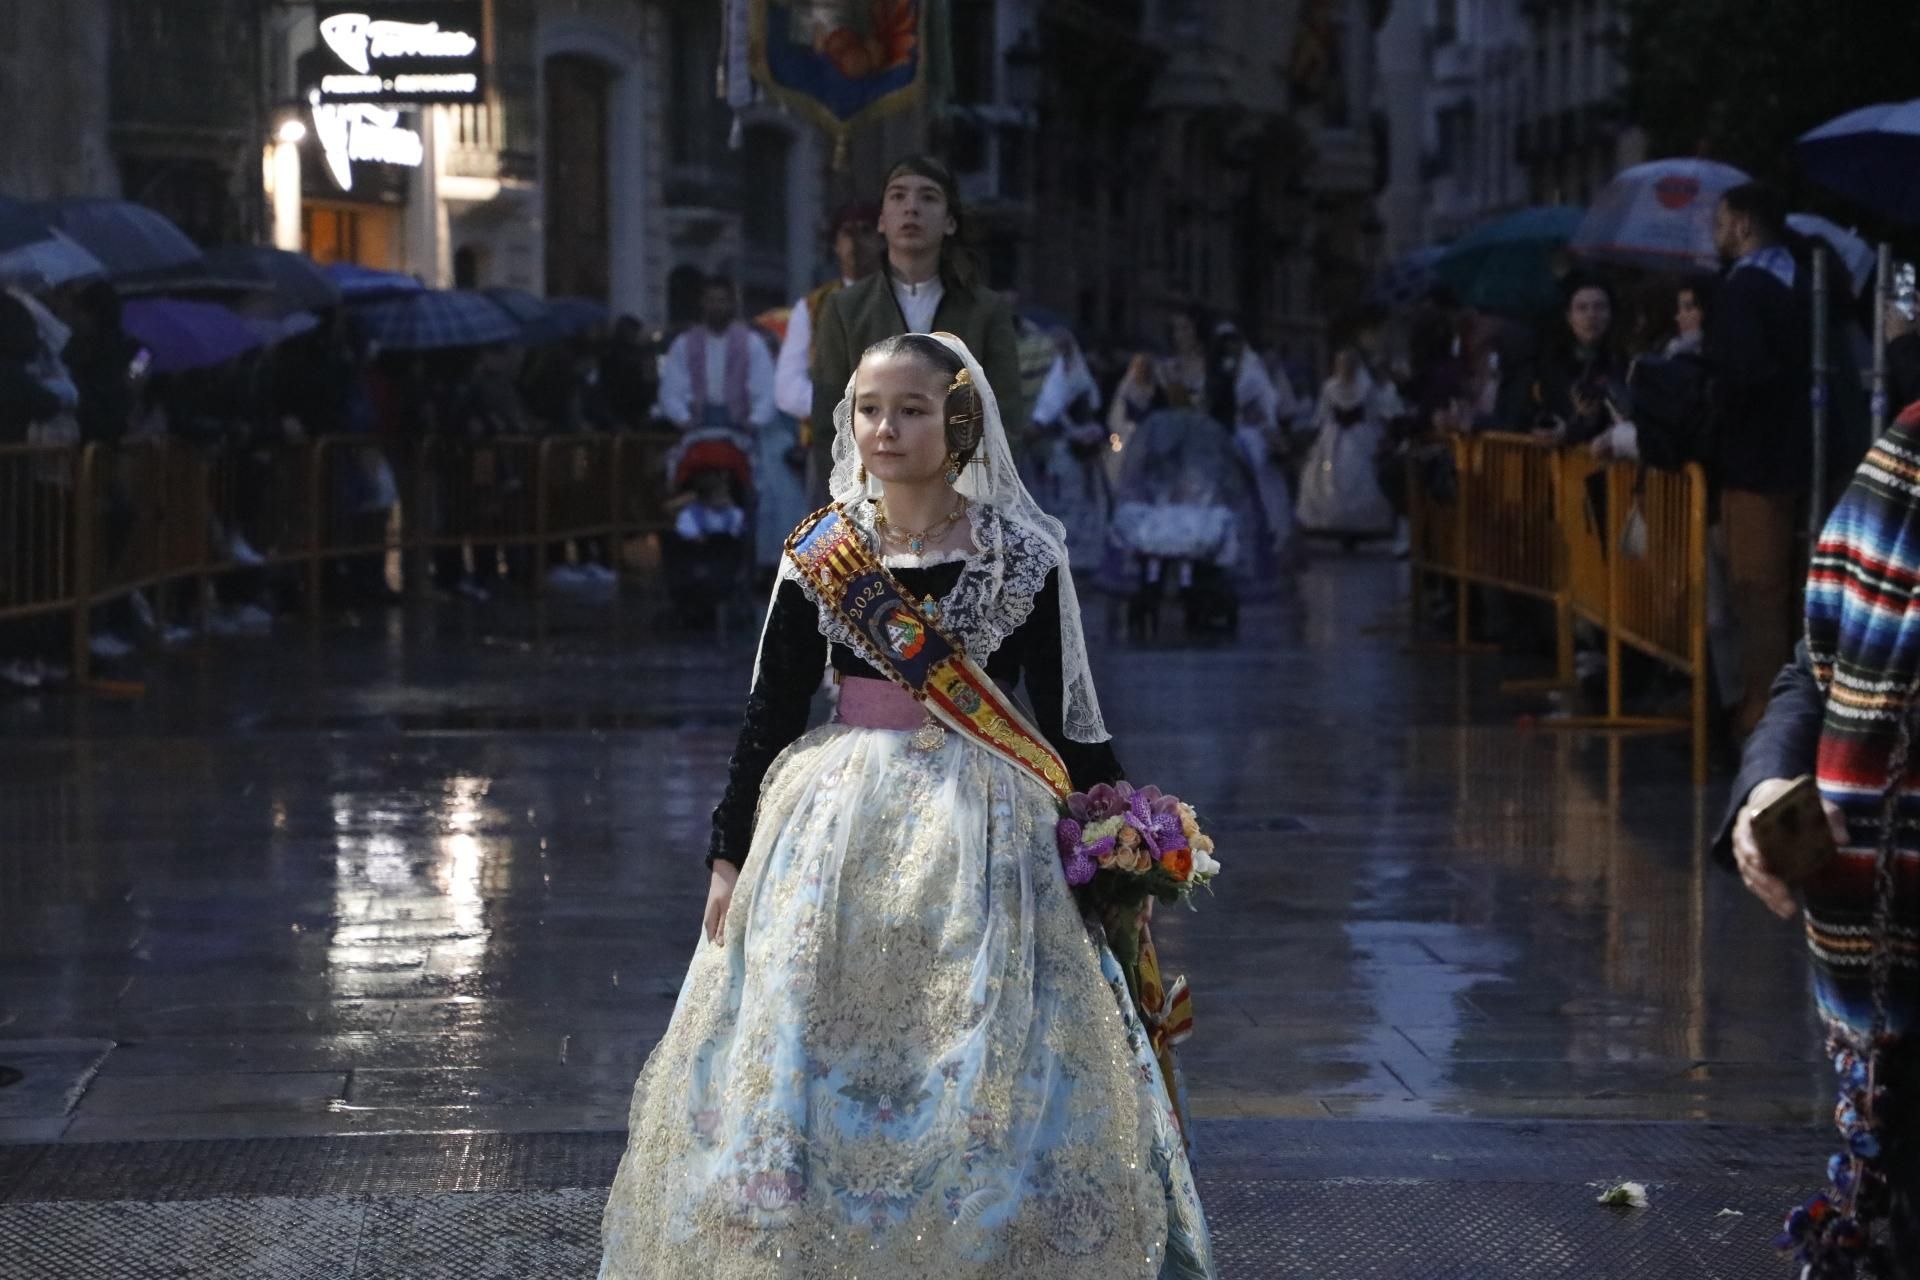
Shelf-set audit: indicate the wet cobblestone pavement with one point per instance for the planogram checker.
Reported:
(337, 954)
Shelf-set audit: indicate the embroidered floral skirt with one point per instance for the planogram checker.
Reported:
(909, 1059)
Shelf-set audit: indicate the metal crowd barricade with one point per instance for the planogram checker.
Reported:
(82, 527)
(1435, 536)
(346, 508)
(1619, 547)
(579, 493)
(37, 569)
(643, 484)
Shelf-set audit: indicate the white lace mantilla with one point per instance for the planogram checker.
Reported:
(995, 593)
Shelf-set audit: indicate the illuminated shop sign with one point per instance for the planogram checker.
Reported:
(403, 51)
(359, 131)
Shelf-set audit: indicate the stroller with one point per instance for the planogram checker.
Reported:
(1187, 516)
(708, 545)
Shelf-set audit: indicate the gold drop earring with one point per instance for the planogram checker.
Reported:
(863, 474)
(953, 469)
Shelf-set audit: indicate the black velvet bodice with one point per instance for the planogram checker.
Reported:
(795, 653)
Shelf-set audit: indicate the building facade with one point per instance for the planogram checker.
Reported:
(1490, 106)
(599, 161)
(1132, 159)
(65, 152)
(601, 164)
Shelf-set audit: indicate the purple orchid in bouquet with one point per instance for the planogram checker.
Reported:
(1149, 843)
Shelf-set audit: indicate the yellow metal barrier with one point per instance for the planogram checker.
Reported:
(36, 530)
(1435, 535)
(80, 527)
(1620, 547)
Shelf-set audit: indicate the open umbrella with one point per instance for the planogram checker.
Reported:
(1507, 266)
(49, 263)
(528, 310)
(1871, 156)
(436, 318)
(184, 334)
(1854, 253)
(20, 225)
(1407, 278)
(294, 281)
(130, 239)
(572, 317)
(366, 284)
(1658, 216)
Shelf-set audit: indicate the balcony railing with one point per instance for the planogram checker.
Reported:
(481, 146)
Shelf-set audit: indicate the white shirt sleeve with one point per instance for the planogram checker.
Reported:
(676, 385)
(1052, 401)
(760, 383)
(1254, 389)
(792, 384)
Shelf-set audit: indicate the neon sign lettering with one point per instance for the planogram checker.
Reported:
(358, 40)
(362, 131)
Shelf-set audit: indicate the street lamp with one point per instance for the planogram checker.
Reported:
(292, 132)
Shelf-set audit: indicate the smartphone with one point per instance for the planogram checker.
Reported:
(1792, 830)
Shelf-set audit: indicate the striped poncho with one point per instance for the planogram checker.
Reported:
(1863, 638)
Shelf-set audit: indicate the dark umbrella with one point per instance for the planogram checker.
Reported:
(57, 260)
(571, 317)
(20, 225)
(366, 284)
(184, 334)
(531, 313)
(1871, 156)
(130, 239)
(296, 281)
(436, 318)
(1507, 266)
(1407, 278)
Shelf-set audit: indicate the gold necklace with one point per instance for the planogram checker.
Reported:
(917, 541)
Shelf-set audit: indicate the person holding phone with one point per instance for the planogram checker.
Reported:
(1844, 712)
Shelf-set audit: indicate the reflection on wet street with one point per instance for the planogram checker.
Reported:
(442, 874)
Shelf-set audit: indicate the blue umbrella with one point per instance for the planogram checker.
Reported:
(436, 318)
(533, 315)
(1871, 156)
(48, 263)
(1407, 277)
(571, 317)
(1855, 254)
(296, 281)
(130, 239)
(1507, 266)
(183, 334)
(366, 284)
(20, 225)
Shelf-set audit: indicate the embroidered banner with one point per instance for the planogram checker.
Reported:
(840, 63)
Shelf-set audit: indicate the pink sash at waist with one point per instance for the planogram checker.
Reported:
(866, 703)
(878, 704)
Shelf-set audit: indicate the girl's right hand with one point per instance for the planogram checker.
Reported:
(719, 898)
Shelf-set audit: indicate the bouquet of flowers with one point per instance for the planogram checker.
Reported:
(1123, 847)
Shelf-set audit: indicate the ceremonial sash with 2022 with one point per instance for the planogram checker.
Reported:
(904, 643)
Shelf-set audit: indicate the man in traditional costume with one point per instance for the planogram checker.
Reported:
(856, 249)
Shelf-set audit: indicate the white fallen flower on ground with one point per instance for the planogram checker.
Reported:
(1625, 1195)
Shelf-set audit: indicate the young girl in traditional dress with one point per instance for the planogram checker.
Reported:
(900, 1050)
